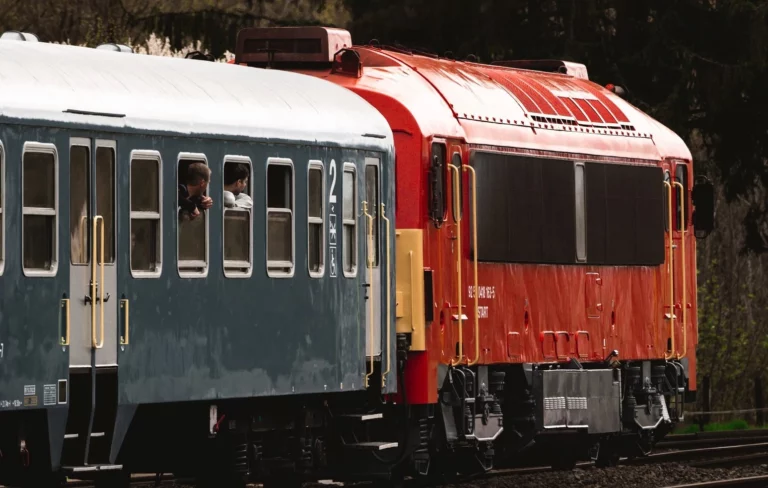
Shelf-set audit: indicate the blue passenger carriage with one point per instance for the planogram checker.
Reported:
(133, 337)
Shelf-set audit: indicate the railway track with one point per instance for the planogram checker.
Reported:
(746, 482)
(725, 449)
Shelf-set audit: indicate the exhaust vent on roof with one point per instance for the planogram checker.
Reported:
(577, 70)
(275, 45)
(118, 48)
(19, 36)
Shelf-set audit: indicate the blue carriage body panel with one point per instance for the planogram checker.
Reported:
(195, 338)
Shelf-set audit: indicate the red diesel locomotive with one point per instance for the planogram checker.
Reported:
(545, 251)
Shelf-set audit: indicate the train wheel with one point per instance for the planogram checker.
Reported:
(564, 462)
(220, 481)
(395, 481)
(607, 454)
(120, 479)
(43, 480)
(282, 482)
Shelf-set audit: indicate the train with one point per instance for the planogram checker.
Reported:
(436, 265)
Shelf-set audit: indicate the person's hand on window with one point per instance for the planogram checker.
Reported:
(206, 203)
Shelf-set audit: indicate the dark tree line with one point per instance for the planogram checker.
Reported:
(698, 66)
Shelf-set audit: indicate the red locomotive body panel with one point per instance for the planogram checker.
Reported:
(527, 312)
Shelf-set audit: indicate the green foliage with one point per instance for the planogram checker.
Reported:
(699, 66)
(718, 427)
(213, 22)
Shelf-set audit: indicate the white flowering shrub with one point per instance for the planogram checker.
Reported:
(157, 46)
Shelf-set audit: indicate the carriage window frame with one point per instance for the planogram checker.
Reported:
(86, 143)
(682, 218)
(316, 165)
(355, 253)
(232, 268)
(41, 148)
(106, 144)
(194, 269)
(147, 155)
(2, 208)
(280, 269)
(580, 211)
(374, 209)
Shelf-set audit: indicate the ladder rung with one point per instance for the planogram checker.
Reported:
(363, 417)
(93, 468)
(372, 446)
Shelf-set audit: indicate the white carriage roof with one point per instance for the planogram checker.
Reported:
(49, 82)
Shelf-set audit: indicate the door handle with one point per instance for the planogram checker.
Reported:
(125, 339)
(97, 292)
(64, 339)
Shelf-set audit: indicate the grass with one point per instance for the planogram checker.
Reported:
(717, 427)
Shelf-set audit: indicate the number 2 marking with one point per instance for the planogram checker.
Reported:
(332, 196)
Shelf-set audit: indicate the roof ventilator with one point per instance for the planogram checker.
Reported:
(118, 48)
(577, 70)
(19, 36)
(297, 47)
(199, 55)
(347, 62)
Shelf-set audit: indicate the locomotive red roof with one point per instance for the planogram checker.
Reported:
(503, 106)
(486, 105)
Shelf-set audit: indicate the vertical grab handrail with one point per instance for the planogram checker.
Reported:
(682, 228)
(671, 270)
(65, 305)
(126, 338)
(389, 309)
(474, 263)
(96, 285)
(457, 217)
(369, 262)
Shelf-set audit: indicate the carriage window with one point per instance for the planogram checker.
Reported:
(525, 209)
(39, 210)
(625, 225)
(79, 191)
(438, 195)
(145, 214)
(581, 215)
(192, 216)
(279, 217)
(349, 244)
(681, 200)
(315, 219)
(372, 196)
(105, 198)
(238, 219)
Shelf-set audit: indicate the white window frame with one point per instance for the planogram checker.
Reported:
(290, 265)
(86, 143)
(148, 155)
(109, 144)
(2, 207)
(43, 148)
(201, 267)
(375, 163)
(580, 206)
(350, 167)
(317, 164)
(232, 269)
